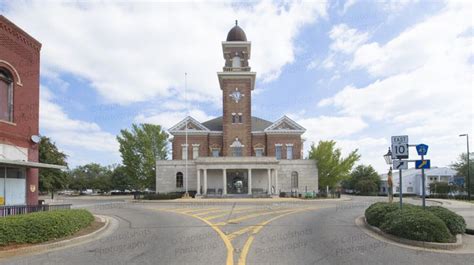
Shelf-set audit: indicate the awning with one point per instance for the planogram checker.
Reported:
(29, 164)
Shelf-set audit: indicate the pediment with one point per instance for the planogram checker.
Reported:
(285, 124)
(192, 126)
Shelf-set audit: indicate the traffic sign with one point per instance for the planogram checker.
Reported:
(422, 149)
(419, 164)
(400, 164)
(400, 147)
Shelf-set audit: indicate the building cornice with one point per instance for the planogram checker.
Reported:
(19, 34)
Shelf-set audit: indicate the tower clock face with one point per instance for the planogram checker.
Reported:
(236, 95)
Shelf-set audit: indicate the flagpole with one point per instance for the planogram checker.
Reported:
(186, 194)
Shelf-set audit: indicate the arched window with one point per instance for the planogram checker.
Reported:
(236, 148)
(294, 180)
(179, 180)
(6, 96)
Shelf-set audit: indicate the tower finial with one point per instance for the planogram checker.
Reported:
(236, 22)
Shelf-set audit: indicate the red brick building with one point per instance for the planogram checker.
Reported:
(19, 115)
(236, 141)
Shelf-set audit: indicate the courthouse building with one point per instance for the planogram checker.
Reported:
(237, 153)
(19, 116)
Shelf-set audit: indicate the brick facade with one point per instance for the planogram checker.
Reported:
(20, 57)
(251, 132)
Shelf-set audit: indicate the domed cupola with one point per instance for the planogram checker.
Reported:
(236, 34)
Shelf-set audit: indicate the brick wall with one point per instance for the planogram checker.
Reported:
(284, 139)
(230, 130)
(179, 140)
(20, 56)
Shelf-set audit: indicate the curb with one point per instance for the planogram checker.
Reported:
(110, 224)
(361, 221)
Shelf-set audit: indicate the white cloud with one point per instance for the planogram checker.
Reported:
(167, 119)
(132, 53)
(330, 127)
(346, 39)
(73, 134)
(425, 82)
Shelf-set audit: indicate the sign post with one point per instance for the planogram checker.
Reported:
(400, 151)
(422, 149)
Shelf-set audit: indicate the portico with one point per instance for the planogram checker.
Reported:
(242, 175)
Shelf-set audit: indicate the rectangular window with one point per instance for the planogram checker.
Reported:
(215, 152)
(259, 152)
(289, 152)
(184, 152)
(240, 117)
(195, 152)
(278, 152)
(234, 118)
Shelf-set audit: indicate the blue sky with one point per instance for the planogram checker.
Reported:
(353, 71)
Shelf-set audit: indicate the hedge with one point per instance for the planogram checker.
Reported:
(375, 214)
(42, 226)
(417, 224)
(455, 223)
(434, 224)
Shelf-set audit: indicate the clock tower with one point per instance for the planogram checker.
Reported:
(236, 82)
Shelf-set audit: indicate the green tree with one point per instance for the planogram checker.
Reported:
(120, 179)
(364, 179)
(461, 169)
(51, 180)
(91, 176)
(332, 167)
(139, 149)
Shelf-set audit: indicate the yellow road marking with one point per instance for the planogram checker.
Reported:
(254, 230)
(228, 244)
(227, 213)
(240, 232)
(194, 210)
(248, 243)
(245, 217)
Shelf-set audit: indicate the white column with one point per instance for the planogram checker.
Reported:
(269, 181)
(250, 181)
(198, 192)
(205, 182)
(224, 181)
(276, 181)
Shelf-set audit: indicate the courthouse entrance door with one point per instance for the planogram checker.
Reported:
(237, 182)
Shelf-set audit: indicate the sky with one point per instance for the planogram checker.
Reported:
(355, 71)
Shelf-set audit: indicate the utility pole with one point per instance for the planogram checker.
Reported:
(468, 168)
(186, 194)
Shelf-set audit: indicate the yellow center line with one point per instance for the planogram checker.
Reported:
(227, 243)
(240, 232)
(248, 243)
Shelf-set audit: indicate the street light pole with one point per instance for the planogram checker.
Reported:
(468, 167)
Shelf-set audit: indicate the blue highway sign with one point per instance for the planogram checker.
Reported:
(419, 164)
(422, 149)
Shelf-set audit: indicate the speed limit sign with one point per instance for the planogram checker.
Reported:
(400, 147)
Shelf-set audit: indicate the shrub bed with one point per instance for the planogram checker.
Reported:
(417, 224)
(42, 226)
(376, 212)
(455, 223)
(434, 224)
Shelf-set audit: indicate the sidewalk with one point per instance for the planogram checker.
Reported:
(465, 209)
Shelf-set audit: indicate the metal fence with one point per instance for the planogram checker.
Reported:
(24, 209)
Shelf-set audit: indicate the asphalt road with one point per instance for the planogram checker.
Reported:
(263, 232)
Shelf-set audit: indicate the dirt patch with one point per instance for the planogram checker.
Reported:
(94, 226)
